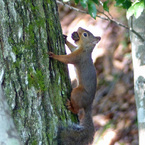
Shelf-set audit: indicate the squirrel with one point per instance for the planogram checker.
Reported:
(82, 96)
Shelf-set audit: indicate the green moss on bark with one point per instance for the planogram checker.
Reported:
(36, 87)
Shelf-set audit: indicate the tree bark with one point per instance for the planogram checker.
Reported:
(34, 85)
(138, 55)
(8, 132)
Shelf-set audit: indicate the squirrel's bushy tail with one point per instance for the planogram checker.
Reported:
(78, 134)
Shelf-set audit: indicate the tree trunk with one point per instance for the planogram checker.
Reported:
(8, 133)
(34, 85)
(138, 55)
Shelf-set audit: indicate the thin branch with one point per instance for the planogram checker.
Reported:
(78, 10)
(107, 18)
(132, 30)
(2, 47)
(101, 4)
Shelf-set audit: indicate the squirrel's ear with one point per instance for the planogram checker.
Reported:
(75, 36)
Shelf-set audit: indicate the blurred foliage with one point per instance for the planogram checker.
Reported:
(133, 8)
(114, 109)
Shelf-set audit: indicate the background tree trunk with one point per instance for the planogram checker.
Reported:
(138, 55)
(34, 85)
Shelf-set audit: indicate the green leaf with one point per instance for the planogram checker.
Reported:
(139, 7)
(124, 3)
(96, 1)
(130, 12)
(92, 9)
(77, 1)
(105, 6)
(119, 2)
(84, 3)
(136, 9)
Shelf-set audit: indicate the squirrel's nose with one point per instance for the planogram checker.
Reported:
(98, 38)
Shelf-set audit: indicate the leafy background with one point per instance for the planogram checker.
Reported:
(135, 7)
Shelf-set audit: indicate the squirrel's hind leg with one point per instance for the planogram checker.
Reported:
(72, 107)
(75, 103)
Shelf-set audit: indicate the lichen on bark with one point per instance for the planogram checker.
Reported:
(34, 85)
(138, 56)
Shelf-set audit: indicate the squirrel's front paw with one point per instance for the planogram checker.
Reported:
(51, 54)
(64, 37)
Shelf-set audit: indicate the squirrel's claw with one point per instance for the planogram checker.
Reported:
(64, 37)
(51, 54)
(68, 104)
(70, 107)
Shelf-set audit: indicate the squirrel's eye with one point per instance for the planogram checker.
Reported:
(85, 34)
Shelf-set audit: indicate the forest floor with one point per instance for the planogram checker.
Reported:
(114, 109)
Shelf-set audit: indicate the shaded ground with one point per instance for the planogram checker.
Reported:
(114, 110)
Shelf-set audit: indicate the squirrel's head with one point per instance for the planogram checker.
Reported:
(85, 38)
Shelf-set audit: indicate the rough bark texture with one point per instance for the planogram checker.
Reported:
(34, 85)
(138, 55)
(8, 133)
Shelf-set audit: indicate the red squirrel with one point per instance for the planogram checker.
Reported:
(82, 96)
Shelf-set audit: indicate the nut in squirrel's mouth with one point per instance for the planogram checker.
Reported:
(75, 36)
